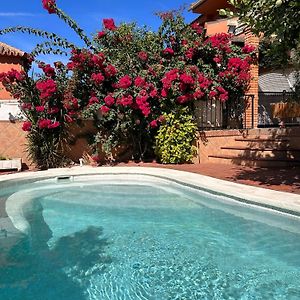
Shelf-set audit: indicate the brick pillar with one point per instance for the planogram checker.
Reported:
(252, 39)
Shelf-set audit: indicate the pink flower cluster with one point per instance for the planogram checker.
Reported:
(93, 100)
(169, 78)
(47, 123)
(47, 88)
(143, 105)
(168, 52)
(110, 71)
(247, 49)
(187, 79)
(125, 100)
(197, 28)
(98, 59)
(104, 109)
(204, 82)
(223, 94)
(48, 70)
(109, 100)
(84, 59)
(153, 124)
(26, 126)
(143, 56)
(26, 106)
(125, 82)
(71, 104)
(97, 78)
(220, 41)
(49, 5)
(101, 34)
(40, 108)
(190, 53)
(184, 98)
(190, 84)
(236, 64)
(139, 82)
(12, 76)
(109, 24)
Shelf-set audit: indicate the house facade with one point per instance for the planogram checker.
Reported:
(250, 145)
(12, 137)
(10, 58)
(209, 18)
(269, 86)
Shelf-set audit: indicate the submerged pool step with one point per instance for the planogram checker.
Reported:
(99, 197)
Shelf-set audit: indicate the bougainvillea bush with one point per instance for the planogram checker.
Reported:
(42, 103)
(127, 79)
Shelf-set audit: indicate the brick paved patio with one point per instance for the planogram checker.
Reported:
(286, 180)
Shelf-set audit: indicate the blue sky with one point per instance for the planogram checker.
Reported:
(87, 13)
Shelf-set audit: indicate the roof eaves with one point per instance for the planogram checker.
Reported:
(10, 51)
(196, 4)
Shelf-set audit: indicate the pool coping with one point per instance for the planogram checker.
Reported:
(277, 200)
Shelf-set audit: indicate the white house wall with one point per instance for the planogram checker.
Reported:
(9, 110)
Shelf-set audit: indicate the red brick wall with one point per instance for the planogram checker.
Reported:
(13, 141)
(211, 142)
(252, 39)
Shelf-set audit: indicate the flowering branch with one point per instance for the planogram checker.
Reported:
(51, 7)
(47, 48)
(62, 15)
(41, 49)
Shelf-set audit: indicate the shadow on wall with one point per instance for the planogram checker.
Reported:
(81, 135)
(273, 147)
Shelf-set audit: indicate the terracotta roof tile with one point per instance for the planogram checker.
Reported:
(195, 4)
(9, 50)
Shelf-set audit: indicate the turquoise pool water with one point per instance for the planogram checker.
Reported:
(115, 240)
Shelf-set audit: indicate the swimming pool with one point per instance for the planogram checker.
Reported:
(134, 236)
